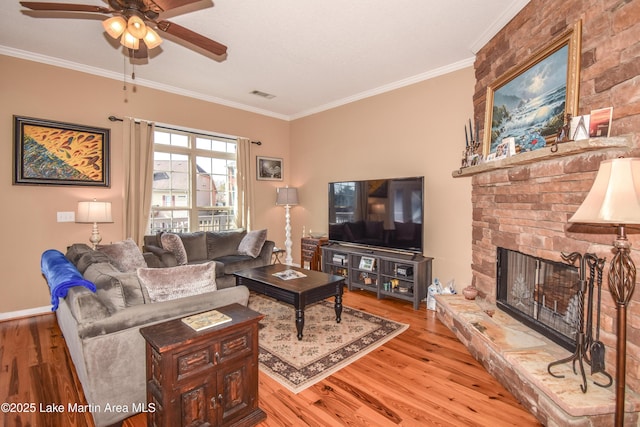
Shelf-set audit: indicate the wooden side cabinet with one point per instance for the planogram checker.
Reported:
(311, 255)
(205, 378)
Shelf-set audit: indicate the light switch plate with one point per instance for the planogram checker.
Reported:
(66, 217)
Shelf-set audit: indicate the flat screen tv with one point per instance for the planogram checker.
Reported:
(379, 213)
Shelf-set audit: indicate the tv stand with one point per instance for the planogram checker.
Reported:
(388, 274)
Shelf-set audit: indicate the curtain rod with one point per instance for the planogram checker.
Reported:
(118, 119)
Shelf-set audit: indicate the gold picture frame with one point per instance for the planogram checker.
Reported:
(541, 102)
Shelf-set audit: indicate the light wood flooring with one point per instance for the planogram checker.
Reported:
(423, 377)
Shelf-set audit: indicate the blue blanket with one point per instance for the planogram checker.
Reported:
(61, 275)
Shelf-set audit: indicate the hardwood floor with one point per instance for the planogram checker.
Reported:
(423, 377)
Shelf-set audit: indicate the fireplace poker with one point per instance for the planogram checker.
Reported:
(597, 348)
(591, 260)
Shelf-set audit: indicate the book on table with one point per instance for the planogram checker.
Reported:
(289, 274)
(205, 320)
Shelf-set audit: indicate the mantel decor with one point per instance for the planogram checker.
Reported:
(531, 101)
(55, 153)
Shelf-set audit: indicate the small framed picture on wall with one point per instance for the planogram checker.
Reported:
(269, 168)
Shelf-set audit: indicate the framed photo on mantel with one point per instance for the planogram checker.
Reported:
(531, 102)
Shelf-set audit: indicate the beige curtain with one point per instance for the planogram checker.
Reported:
(138, 175)
(244, 212)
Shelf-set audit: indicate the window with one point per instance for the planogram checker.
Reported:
(194, 182)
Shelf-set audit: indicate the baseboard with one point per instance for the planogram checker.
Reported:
(25, 313)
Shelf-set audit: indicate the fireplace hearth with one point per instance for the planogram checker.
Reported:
(541, 294)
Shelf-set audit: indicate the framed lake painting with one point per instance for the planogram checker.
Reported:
(56, 153)
(530, 103)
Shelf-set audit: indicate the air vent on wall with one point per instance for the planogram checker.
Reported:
(262, 94)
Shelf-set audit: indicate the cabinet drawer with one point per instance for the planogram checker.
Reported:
(194, 361)
(236, 345)
(308, 253)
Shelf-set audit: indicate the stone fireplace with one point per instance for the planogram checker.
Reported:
(521, 207)
(523, 204)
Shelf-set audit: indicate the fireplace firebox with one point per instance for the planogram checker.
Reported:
(540, 293)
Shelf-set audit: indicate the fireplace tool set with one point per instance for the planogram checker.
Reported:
(588, 349)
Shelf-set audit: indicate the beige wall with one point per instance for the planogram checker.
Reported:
(417, 130)
(28, 214)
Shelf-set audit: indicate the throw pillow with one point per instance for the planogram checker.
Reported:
(164, 284)
(173, 243)
(221, 243)
(126, 255)
(92, 257)
(108, 291)
(252, 243)
(195, 245)
(122, 289)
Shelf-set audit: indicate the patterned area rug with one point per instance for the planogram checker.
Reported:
(326, 346)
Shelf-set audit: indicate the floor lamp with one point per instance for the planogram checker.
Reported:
(94, 212)
(287, 197)
(614, 199)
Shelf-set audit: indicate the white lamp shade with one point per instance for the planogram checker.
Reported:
(614, 197)
(114, 26)
(287, 196)
(94, 211)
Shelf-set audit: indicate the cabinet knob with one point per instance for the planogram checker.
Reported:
(216, 357)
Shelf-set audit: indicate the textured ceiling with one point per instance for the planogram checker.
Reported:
(312, 55)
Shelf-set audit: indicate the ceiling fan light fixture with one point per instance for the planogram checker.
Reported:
(136, 27)
(128, 40)
(114, 26)
(152, 39)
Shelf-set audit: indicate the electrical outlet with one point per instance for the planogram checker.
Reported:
(66, 217)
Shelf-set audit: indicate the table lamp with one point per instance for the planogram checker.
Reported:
(94, 212)
(614, 199)
(287, 197)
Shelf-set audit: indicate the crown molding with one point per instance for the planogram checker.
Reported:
(389, 87)
(30, 56)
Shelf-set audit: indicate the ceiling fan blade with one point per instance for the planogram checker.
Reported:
(64, 7)
(192, 37)
(164, 5)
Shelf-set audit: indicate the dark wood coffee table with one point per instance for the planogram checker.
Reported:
(300, 292)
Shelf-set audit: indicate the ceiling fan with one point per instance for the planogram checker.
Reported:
(133, 21)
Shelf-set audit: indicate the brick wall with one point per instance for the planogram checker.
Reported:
(526, 208)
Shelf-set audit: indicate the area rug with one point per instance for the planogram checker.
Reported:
(326, 346)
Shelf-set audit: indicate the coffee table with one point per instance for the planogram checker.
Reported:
(299, 292)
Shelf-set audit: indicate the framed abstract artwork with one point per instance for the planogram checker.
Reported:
(532, 101)
(55, 153)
